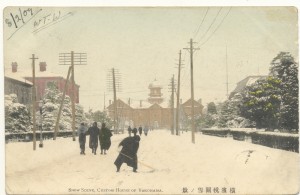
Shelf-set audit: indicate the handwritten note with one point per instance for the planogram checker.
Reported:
(49, 19)
(16, 18)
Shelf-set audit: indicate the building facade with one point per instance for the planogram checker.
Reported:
(21, 87)
(42, 79)
(154, 112)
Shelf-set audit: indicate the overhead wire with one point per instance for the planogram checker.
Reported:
(214, 20)
(201, 23)
(216, 28)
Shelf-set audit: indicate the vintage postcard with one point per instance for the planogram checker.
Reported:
(151, 100)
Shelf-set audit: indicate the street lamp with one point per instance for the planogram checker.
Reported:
(41, 128)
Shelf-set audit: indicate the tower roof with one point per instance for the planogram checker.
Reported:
(155, 84)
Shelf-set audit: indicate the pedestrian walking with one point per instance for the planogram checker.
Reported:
(134, 129)
(104, 138)
(129, 131)
(140, 130)
(128, 154)
(82, 130)
(94, 133)
(146, 129)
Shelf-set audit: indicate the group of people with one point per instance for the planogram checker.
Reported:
(130, 145)
(140, 129)
(103, 135)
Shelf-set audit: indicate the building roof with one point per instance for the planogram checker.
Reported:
(165, 104)
(28, 73)
(155, 84)
(246, 82)
(136, 104)
(22, 74)
(120, 104)
(18, 78)
(189, 101)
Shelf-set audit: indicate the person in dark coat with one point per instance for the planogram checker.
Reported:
(82, 137)
(140, 130)
(104, 138)
(128, 154)
(134, 129)
(94, 133)
(129, 131)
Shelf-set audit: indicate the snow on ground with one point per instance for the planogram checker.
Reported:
(177, 163)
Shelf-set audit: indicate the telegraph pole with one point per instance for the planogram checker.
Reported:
(61, 104)
(191, 50)
(114, 85)
(178, 95)
(104, 103)
(115, 99)
(72, 59)
(73, 96)
(33, 58)
(172, 102)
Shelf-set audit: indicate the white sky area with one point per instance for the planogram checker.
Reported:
(143, 44)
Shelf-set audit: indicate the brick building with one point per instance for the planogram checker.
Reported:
(153, 112)
(42, 78)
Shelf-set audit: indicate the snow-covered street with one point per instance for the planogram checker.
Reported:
(218, 164)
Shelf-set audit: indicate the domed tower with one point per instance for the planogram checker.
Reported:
(155, 95)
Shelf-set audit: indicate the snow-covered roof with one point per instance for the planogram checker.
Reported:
(246, 82)
(165, 104)
(19, 78)
(21, 75)
(136, 104)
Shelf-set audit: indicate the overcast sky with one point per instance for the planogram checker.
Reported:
(143, 44)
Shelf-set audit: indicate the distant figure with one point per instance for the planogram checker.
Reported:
(146, 129)
(94, 133)
(134, 129)
(82, 137)
(140, 130)
(104, 138)
(129, 131)
(128, 153)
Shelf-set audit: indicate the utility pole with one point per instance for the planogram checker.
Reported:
(72, 59)
(191, 50)
(33, 58)
(178, 95)
(172, 104)
(104, 103)
(61, 104)
(73, 96)
(115, 100)
(114, 86)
